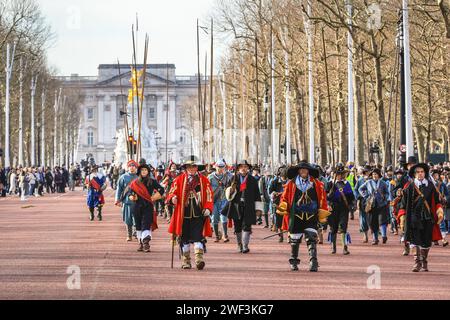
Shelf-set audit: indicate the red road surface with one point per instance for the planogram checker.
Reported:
(42, 237)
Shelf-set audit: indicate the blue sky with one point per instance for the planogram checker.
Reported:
(93, 32)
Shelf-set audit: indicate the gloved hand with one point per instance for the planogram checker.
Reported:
(440, 214)
(206, 213)
(282, 209)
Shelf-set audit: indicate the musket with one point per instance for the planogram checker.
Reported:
(275, 235)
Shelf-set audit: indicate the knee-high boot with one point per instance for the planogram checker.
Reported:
(245, 241)
(312, 250)
(294, 261)
(417, 260)
(129, 233)
(216, 232)
(333, 243)
(91, 210)
(239, 241)
(199, 262)
(99, 216)
(424, 256)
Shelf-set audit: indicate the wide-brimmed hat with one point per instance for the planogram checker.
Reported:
(144, 166)
(292, 172)
(244, 163)
(193, 161)
(424, 166)
(340, 169)
(221, 163)
(399, 171)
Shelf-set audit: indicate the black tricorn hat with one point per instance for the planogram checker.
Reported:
(193, 161)
(424, 166)
(340, 169)
(292, 172)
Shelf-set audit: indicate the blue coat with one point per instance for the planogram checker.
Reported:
(94, 197)
(382, 193)
(128, 206)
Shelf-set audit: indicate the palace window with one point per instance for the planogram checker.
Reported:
(90, 114)
(90, 138)
(152, 106)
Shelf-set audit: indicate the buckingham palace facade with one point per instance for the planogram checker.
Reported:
(102, 99)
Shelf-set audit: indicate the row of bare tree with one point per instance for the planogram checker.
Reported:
(23, 25)
(247, 27)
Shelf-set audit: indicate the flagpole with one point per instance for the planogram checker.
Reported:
(351, 111)
(312, 147)
(409, 130)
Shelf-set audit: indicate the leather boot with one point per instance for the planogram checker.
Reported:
(146, 243)
(406, 250)
(294, 261)
(91, 210)
(216, 232)
(312, 250)
(225, 232)
(333, 243)
(417, 260)
(186, 260)
(239, 241)
(245, 242)
(424, 256)
(141, 246)
(266, 220)
(199, 259)
(281, 239)
(129, 233)
(344, 243)
(99, 216)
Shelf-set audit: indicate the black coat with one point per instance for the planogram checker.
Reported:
(251, 195)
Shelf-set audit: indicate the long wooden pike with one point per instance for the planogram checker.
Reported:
(141, 96)
(125, 110)
(136, 82)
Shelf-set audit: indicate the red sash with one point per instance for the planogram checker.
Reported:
(244, 184)
(139, 188)
(95, 184)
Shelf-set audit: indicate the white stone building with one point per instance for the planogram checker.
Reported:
(103, 98)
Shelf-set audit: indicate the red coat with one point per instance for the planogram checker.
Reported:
(289, 194)
(178, 190)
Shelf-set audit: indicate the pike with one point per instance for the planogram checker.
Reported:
(275, 235)
(125, 113)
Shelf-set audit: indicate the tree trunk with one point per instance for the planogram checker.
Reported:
(343, 141)
(420, 143)
(320, 125)
(359, 128)
(379, 94)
